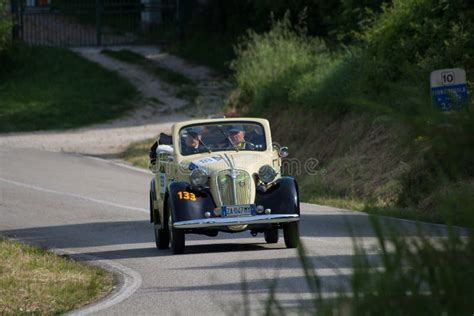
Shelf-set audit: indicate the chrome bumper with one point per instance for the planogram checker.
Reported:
(230, 221)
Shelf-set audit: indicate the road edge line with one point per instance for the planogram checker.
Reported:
(406, 220)
(117, 163)
(129, 281)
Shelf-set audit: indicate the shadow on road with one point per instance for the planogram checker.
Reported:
(123, 233)
(285, 285)
(349, 224)
(318, 262)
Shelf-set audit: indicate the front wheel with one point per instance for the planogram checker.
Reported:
(176, 236)
(292, 235)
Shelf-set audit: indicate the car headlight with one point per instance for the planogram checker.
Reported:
(266, 174)
(198, 178)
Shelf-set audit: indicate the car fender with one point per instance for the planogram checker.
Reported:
(282, 197)
(193, 207)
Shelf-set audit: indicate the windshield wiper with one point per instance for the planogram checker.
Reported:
(228, 138)
(205, 146)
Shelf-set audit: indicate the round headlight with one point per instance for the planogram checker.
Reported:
(266, 173)
(198, 178)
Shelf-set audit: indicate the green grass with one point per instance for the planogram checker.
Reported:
(196, 47)
(34, 281)
(186, 88)
(51, 88)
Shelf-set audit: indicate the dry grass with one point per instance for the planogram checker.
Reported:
(359, 157)
(137, 153)
(34, 281)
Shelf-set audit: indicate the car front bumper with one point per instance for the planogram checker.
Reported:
(231, 221)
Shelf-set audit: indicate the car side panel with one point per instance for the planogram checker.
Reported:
(282, 197)
(188, 209)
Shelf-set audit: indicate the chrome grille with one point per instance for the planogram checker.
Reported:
(242, 183)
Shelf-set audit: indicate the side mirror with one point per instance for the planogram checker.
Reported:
(283, 152)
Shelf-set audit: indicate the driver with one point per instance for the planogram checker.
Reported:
(237, 135)
(192, 142)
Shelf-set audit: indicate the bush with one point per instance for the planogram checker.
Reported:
(422, 35)
(268, 65)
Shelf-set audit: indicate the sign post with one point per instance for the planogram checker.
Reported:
(448, 89)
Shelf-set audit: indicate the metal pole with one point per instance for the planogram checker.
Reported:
(98, 21)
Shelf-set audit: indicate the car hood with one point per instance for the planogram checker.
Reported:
(248, 161)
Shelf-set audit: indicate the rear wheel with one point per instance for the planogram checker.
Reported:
(271, 236)
(162, 239)
(176, 236)
(292, 235)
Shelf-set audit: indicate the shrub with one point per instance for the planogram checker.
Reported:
(268, 65)
(424, 35)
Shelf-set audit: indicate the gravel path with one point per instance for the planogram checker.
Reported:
(148, 120)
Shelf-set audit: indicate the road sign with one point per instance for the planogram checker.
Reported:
(448, 88)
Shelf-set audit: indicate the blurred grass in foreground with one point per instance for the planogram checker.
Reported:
(422, 275)
(34, 281)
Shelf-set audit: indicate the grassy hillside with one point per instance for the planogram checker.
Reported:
(51, 88)
(364, 110)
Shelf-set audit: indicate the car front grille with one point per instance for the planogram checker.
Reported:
(242, 183)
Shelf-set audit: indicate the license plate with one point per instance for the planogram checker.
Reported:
(238, 210)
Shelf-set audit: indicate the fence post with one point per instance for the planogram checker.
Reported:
(98, 21)
(179, 22)
(15, 10)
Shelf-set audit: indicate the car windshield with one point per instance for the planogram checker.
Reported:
(234, 136)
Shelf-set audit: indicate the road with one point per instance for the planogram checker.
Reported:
(98, 211)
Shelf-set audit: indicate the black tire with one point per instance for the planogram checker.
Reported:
(271, 236)
(162, 238)
(176, 236)
(292, 235)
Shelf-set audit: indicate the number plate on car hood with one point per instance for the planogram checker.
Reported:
(238, 210)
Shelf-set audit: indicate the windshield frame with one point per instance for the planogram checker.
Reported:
(222, 123)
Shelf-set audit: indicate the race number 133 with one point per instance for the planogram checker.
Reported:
(184, 195)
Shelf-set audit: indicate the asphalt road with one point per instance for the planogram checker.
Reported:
(99, 211)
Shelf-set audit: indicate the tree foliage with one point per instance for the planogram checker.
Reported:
(5, 27)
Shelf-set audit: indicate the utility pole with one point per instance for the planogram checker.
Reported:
(179, 22)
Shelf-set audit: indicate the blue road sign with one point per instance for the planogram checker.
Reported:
(448, 89)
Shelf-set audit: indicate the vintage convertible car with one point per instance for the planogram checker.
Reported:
(221, 175)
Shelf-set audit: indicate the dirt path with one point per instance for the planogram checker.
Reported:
(149, 119)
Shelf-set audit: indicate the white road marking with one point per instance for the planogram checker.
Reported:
(77, 196)
(120, 164)
(352, 212)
